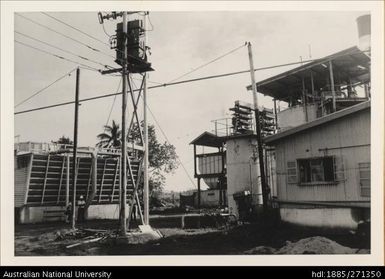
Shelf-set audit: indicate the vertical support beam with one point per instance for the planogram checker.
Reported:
(114, 182)
(257, 124)
(89, 179)
(304, 99)
(68, 179)
(138, 178)
(28, 179)
(123, 176)
(312, 83)
(45, 180)
(275, 114)
(139, 209)
(195, 160)
(61, 180)
(146, 190)
(332, 84)
(75, 149)
(199, 192)
(94, 173)
(102, 181)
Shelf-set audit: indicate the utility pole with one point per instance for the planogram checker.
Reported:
(258, 128)
(146, 205)
(73, 219)
(123, 175)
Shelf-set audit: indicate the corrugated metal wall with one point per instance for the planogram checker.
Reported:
(348, 139)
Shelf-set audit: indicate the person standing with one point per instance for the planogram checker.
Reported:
(68, 212)
(81, 209)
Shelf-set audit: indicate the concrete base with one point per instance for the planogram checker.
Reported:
(104, 211)
(29, 215)
(328, 218)
(145, 234)
(39, 214)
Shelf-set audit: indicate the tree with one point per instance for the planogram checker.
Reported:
(162, 156)
(64, 141)
(110, 137)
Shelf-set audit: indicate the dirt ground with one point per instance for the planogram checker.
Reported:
(43, 240)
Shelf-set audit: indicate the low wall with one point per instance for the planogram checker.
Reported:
(39, 214)
(328, 218)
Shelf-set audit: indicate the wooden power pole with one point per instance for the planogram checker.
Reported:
(146, 204)
(73, 219)
(258, 128)
(123, 174)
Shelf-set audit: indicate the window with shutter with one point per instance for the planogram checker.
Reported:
(364, 174)
(316, 170)
(292, 172)
(339, 169)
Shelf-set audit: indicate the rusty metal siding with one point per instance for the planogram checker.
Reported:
(347, 138)
(21, 179)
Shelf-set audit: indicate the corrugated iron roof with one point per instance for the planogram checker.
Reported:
(350, 63)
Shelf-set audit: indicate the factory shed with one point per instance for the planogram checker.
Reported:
(323, 169)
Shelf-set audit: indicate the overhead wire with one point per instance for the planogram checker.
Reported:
(112, 106)
(57, 56)
(46, 87)
(64, 35)
(165, 136)
(64, 50)
(75, 28)
(176, 83)
(208, 63)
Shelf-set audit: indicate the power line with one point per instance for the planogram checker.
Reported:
(75, 28)
(44, 88)
(178, 82)
(57, 56)
(64, 50)
(112, 106)
(165, 136)
(66, 36)
(208, 63)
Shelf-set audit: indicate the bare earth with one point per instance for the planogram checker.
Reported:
(51, 239)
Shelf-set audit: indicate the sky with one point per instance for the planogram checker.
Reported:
(180, 42)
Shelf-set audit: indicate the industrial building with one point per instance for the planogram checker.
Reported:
(43, 186)
(322, 144)
(316, 151)
(323, 169)
(229, 161)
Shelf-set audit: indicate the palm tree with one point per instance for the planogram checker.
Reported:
(110, 137)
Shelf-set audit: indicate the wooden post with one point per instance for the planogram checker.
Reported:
(199, 192)
(146, 189)
(123, 176)
(68, 180)
(275, 114)
(304, 98)
(312, 83)
(332, 85)
(195, 160)
(75, 149)
(258, 128)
